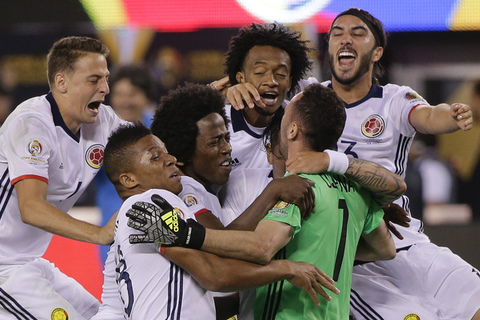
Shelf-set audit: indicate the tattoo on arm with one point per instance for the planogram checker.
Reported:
(385, 185)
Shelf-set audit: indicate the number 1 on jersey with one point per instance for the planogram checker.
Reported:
(342, 205)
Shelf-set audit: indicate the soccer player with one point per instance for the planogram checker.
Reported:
(344, 212)
(269, 60)
(381, 124)
(132, 97)
(51, 147)
(150, 286)
(424, 280)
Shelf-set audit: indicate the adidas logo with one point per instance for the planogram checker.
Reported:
(171, 220)
(235, 162)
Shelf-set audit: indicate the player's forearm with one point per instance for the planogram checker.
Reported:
(250, 218)
(226, 275)
(384, 185)
(49, 218)
(241, 245)
(378, 245)
(433, 119)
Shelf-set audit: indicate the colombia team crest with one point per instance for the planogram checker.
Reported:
(94, 156)
(373, 126)
(412, 316)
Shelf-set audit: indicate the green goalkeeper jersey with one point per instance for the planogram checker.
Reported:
(329, 238)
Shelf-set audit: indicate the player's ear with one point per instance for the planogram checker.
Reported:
(377, 54)
(240, 77)
(128, 180)
(61, 82)
(293, 130)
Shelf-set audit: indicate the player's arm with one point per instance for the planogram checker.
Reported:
(376, 245)
(160, 223)
(35, 210)
(384, 185)
(442, 118)
(291, 189)
(226, 275)
(257, 246)
(209, 220)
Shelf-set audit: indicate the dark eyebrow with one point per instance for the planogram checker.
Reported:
(354, 28)
(359, 28)
(259, 62)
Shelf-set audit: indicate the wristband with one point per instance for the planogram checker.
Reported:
(194, 234)
(338, 162)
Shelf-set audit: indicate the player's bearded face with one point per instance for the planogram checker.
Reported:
(347, 77)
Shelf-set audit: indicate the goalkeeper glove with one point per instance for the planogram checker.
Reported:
(161, 224)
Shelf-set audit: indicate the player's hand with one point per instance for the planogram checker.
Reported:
(297, 190)
(161, 224)
(308, 162)
(311, 279)
(243, 95)
(394, 214)
(221, 85)
(462, 114)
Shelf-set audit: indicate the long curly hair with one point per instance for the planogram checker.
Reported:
(175, 121)
(274, 35)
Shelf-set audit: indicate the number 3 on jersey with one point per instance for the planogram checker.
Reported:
(348, 149)
(124, 282)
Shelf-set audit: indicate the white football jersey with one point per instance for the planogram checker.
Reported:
(197, 198)
(247, 142)
(36, 143)
(378, 129)
(243, 187)
(150, 286)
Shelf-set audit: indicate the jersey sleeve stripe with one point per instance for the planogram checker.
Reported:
(28, 176)
(410, 113)
(201, 211)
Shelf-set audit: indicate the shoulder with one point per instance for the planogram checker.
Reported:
(191, 185)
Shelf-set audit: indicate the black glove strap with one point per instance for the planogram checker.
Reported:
(195, 235)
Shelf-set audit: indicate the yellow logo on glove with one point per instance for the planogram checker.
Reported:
(171, 219)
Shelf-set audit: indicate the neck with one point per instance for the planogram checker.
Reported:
(295, 147)
(255, 119)
(63, 107)
(355, 91)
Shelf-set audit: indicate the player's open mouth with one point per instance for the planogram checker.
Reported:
(94, 105)
(225, 163)
(174, 175)
(346, 58)
(269, 98)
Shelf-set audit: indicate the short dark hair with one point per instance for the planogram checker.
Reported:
(65, 52)
(138, 75)
(322, 116)
(175, 121)
(119, 156)
(376, 28)
(274, 35)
